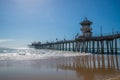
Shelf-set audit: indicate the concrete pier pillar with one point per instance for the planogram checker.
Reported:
(69, 47)
(115, 46)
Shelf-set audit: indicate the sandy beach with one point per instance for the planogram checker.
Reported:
(114, 78)
(88, 67)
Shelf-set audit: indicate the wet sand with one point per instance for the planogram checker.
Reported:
(92, 67)
(114, 78)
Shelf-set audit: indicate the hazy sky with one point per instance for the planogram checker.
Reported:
(25, 21)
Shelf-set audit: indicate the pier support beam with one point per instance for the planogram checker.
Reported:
(69, 46)
(98, 47)
(73, 46)
(89, 46)
(93, 46)
(66, 46)
(111, 46)
(107, 45)
(102, 46)
(63, 46)
(115, 46)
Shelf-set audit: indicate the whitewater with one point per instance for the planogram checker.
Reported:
(33, 54)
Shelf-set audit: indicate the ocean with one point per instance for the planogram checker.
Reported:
(44, 64)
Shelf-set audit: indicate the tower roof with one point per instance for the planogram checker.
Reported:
(86, 22)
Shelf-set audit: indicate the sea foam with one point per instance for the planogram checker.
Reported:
(33, 54)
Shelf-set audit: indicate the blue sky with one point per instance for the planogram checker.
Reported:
(25, 21)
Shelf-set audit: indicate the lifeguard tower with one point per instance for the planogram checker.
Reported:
(86, 29)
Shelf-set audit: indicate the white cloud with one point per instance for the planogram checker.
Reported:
(6, 40)
(13, 43)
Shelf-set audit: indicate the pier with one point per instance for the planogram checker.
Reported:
(85, 42)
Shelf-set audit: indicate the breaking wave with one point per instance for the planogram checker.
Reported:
(32, 54)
